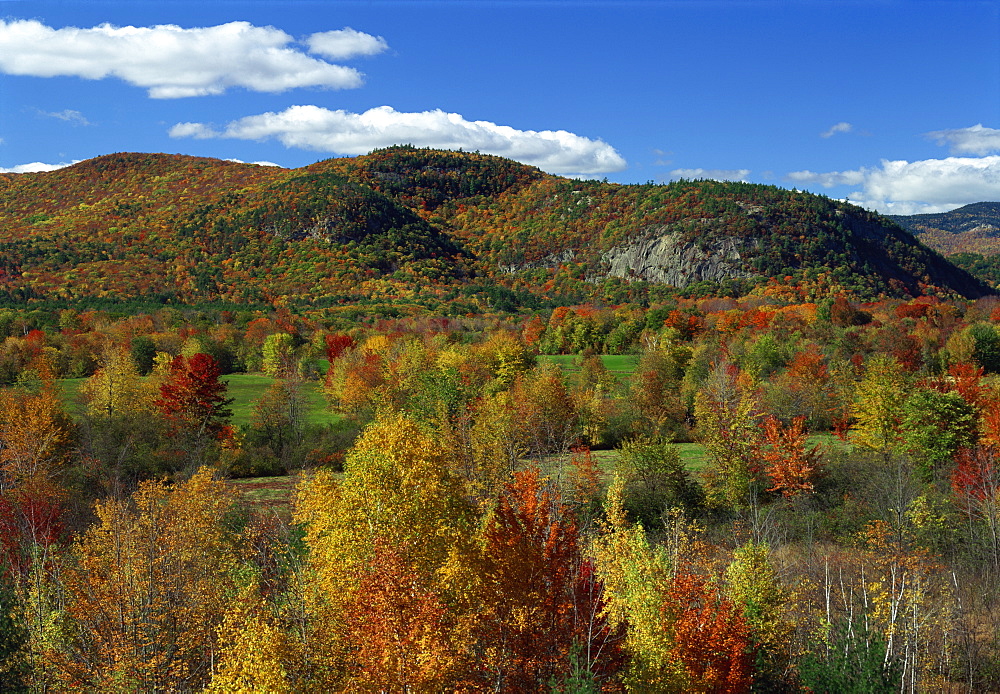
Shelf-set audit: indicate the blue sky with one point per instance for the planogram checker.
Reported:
(892, 104)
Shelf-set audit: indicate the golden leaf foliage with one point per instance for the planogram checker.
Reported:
(253, 650)
(876, 406)
(35, 437)
(728, 411)
(116, 388)
(635, 575)
(498, 441)
(399, 492)
(398, 485)
(753, 585)
(148, 589)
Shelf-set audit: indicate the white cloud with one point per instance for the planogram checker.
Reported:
(343, 132)
(68, 115)
(173, 62)
(36, 167)
(905, 187)
(713, 174)
(345, 43)
(904, 207)
(662, 157)
(828, 180)
(256, 163)
(840, 127)
(198, 131)
(972, 140)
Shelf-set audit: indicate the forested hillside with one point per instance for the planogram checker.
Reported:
(969, 229)
(418, 230)
(968, 236)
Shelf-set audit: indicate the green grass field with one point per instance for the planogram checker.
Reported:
(244, 389)
(619, 363)
(692, 455)
(69, 392)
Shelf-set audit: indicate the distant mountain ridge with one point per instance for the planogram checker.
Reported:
(972, 228)
(423, 228)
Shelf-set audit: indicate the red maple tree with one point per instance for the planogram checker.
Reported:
(193, 398)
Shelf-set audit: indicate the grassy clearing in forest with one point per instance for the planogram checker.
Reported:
(618, 364)
(244, 389)
(69, 393)
(692, 455)
(277, 493)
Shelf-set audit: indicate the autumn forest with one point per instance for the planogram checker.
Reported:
(529, 434)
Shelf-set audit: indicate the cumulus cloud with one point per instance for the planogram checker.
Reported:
(912, 187)
(713, 174)
(345, 43)
(973, 140)
(342, 132)
(198, 131)
(840, 127)
(173, 62)
(827, 180)
(36, 167)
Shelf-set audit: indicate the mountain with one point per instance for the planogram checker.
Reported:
(973, 228)
(424, 229)
(692, 232)
(177, 229)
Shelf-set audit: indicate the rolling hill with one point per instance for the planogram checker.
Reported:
(968, 236)
(418, 229)
(973, 228)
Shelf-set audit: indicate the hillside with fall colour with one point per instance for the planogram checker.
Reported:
(421, 229)
(972, 228)
(968, 236)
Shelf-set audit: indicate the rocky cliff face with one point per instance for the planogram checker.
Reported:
(660, 256)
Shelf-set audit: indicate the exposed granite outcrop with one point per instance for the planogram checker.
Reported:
(550, 261)
(660, 256)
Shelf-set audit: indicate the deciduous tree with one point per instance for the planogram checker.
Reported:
(400, 493)
(711, 638)
(402, 633)
(792, 468)
(728, 413)
(116, 389)
(148, 589)
(193, 397)
(876, 405)
(193, 401)
(537, 595)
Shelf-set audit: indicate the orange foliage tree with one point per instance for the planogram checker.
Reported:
(539, 600)
(194, 403)
(976, 484)
(35, 448)
(401, 629)
(710, 635)
(791, 467)
(193, 398)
